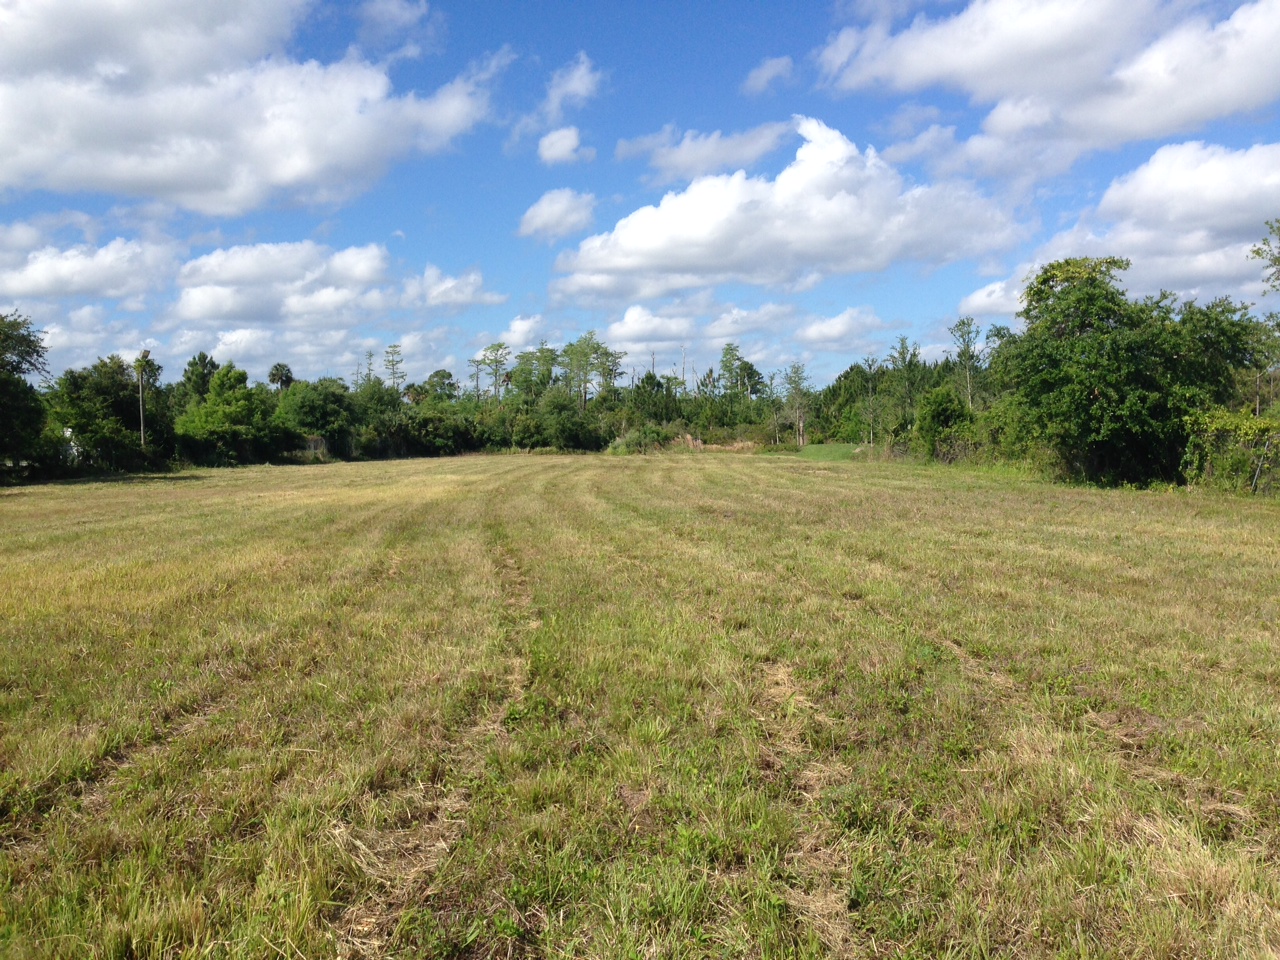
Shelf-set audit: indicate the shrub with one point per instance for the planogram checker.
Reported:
(1233, 451)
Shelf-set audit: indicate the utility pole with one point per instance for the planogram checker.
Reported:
(140, 366)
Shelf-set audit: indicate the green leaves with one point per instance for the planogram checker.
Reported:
(1109, 382)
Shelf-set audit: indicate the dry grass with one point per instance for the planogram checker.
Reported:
(689, 705)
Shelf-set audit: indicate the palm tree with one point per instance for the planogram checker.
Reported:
(280, 376)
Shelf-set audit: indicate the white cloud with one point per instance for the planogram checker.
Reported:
(695, 154)
(833, 210)
(735, 322)
(306, 285)
(1186, 218)
(199, 105)
(1001, 298)
(121, 268)
(404, 25)
(1068, 76)
(521, 331)
(435, 289)
(640, 326)
(245, 343)
(558, 213)
(769, 70)
(564, 145)
(847, 329)
(573, 85)
(991, 48)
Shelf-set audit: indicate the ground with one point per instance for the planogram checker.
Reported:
(670, 706)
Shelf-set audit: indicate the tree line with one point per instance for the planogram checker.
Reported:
(1096, 386)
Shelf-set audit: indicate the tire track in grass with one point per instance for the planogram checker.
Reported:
(816, 862)
(401, 864)
(25, 813)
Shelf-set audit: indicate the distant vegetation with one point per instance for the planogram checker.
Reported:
(1097, 387)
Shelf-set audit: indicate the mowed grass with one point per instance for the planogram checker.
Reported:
(671, 706)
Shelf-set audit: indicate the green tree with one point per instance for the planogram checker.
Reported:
(96, 409)
(320, 409)
(534, 372)
(966, 334)
(797, 400)
(233, 424)
(393, 362)
(1268, 251)
(941, 410)
(439, 386)
(22, 414)
(194, 385)
(280, 377)
(1108, 382)
(493, 359)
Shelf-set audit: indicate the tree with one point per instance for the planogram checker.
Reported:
(579, 359)
(22, 414)
(194, 385)
(1108, 382)
(1268, 251)
(904, 367)
(233, 424)
(280, 377)
(873, 365)
(940, 410)
(440, 385)
(965, 332)
(796, 381)
(96, 409)
(321, 409)
(477, 368)
(493, 358)
(534, 372)
(393, 361)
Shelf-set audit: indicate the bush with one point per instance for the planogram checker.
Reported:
(941, 411)
(645, 439)
(1233, 451)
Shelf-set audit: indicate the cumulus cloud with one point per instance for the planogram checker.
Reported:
(121, 268)
(1068, 76)
(521, 331)
(850, 328)
(308, 286)
(641, 327)
(198, 104)
(564, 145)
(694, 154)
(573, 85)
(1000, 298)
(1187, 219)
(834, 209)
(435, 289)
(402, 25)
(734, 322)
(769, 70)
(558, 213)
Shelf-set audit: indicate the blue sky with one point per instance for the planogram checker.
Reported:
(303, 181)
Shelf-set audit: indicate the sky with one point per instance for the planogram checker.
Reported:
(306, 181)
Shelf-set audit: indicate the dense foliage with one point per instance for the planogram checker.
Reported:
(1095, 385)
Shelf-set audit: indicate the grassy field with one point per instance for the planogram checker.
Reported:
(675, 706)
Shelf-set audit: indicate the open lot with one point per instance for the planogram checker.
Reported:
(677, 706)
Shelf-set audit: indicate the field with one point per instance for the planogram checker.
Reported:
(672, 706)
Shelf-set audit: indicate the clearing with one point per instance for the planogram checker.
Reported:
(676, 706)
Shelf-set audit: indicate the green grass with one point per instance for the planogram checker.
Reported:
(684, 705)
(828, 452)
